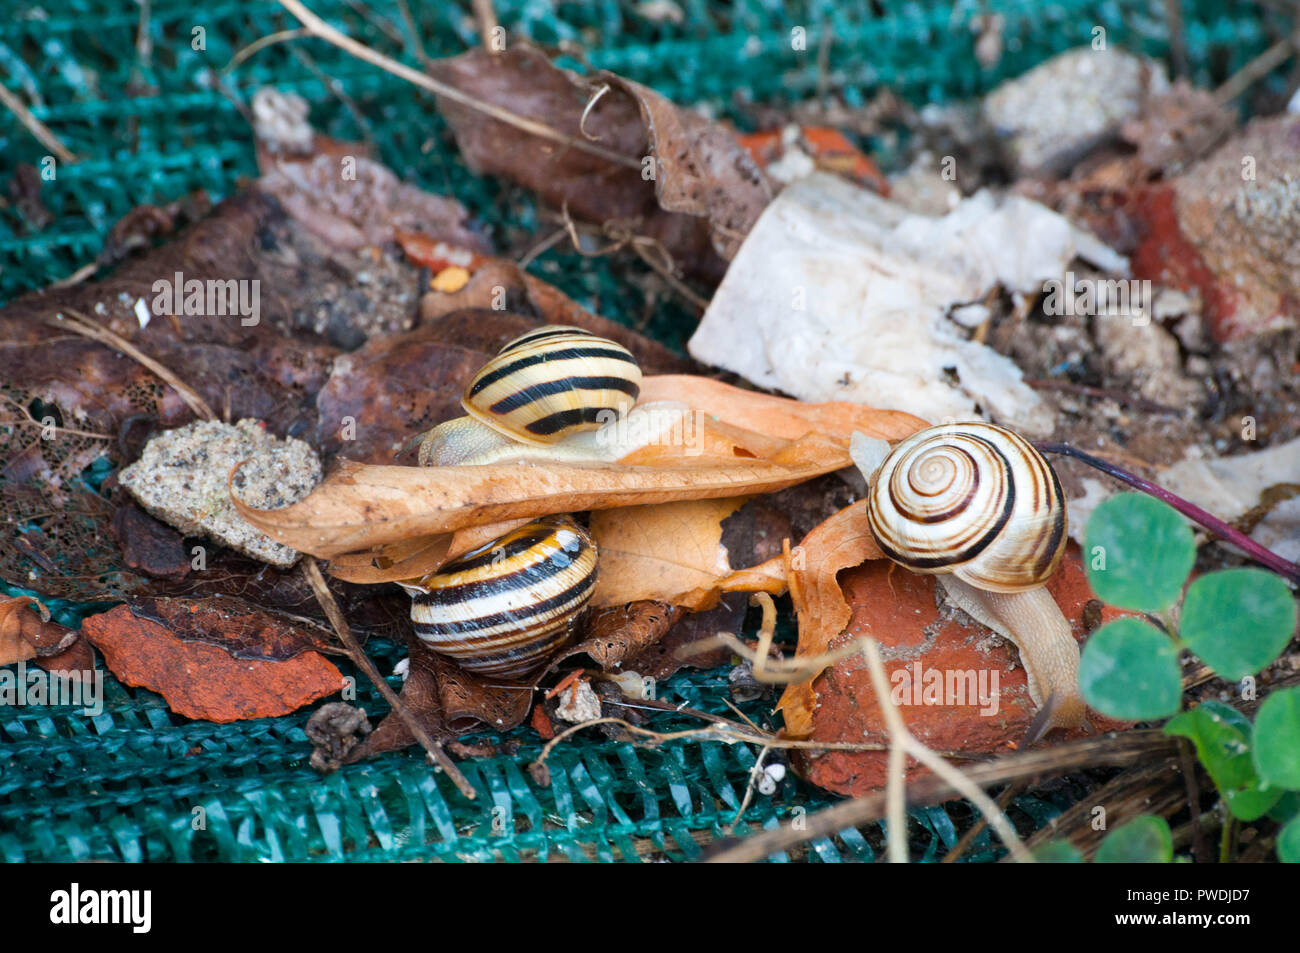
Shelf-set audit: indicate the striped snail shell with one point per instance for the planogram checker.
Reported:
(552, 382)
(503, 609)
(973, 500)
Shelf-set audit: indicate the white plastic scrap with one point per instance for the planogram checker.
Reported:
(838, 294)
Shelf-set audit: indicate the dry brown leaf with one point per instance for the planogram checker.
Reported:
(669, 553)
(673, 553)
(361, 507)
(840, 542)
(15, 620)
(412, 558)
(613, 635)
(778, 416)
(404, 559)
(447, 701)
(379, 524)
(706, 190)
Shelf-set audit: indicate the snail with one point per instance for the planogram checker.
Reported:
(552, 382)
(982, 509)
(505, 608)
(537, 398)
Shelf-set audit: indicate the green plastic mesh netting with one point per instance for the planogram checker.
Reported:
(138, 783)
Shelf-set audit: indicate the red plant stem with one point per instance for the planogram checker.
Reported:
(1193, 512)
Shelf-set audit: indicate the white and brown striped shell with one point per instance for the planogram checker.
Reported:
(552, 382)
(973, 500)
(504, 609)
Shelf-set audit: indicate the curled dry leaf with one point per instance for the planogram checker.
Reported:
(217, 659)
(17, 622)
(779, 417)
(705, 193)
(411, 558)
(617, 633)
(34, 636)
(360, 507)
(379, 524)
(840, 542)
(447, 701)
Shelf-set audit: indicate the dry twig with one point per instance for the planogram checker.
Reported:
(319, 28)
(80, 324)
(901, 744)
(33, 125)
(327, 602)
(1105, 751)
(1256, 69)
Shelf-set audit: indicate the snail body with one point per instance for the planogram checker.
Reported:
(553, 382)
(981, 508)
(504, 609)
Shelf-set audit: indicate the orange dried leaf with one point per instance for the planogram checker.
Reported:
(361, 507)
(778, 416)
(838, 543)
(673, 553)
(216, 659)
(669, 553)
(15, 621)
(412, 558)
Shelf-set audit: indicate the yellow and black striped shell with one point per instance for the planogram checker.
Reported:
(973, 500)
(552, 382)
(504, 609)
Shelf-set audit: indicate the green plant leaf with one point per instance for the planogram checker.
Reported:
(1058, 852)
(1144, 840)
(1139, 552)
(1238, 620)
(1277, 739)
(1129, 670)
(1288, 843)
(1221, 735)
(1286, 808)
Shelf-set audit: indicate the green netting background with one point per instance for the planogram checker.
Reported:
(128, 784)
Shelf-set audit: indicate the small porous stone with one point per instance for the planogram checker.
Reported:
(578, 704)
(181, 476)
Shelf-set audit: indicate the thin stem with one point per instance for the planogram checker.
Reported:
(1104, 751)
(78, 322)
(1193, 512)
(327, 602)
(895, 776)
(37, 128)
(324, 31)
(903, 743)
